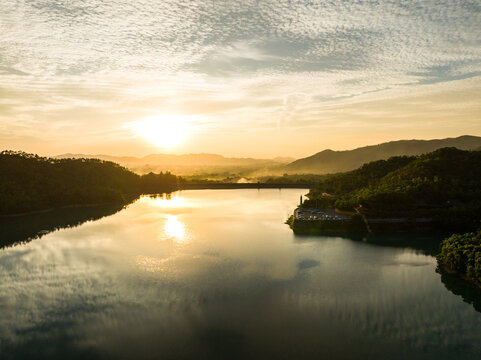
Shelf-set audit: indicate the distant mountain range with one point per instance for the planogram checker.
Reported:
(329, 161)
(324, 162)
(187, 163)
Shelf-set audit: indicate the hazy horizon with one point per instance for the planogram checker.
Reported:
(242, 79)
(158, 151)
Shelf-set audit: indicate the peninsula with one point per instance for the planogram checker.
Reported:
(438, 191)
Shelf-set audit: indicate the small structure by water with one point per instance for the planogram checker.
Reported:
(301, 213)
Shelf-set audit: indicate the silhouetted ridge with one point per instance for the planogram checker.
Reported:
(329, 161)
(29, 182)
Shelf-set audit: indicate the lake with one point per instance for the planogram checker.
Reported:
(216, 274)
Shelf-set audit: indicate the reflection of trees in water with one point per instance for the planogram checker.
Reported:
(470, 293)
(423, 243)
(22, 229)
(427, 245)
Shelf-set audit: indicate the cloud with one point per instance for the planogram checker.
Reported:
(234, 60)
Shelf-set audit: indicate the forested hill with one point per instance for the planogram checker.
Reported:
(446, 182)
(31, 183)
(329, 161)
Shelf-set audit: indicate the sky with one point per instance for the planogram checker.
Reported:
(259, 78)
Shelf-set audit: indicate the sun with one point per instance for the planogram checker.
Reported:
(168, 131)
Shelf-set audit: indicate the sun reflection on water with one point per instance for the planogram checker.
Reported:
(150, 264)
(175, 228)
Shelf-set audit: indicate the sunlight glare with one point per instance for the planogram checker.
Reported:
(174, 228)
(163, 131)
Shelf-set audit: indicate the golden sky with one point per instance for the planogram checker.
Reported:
(240, 78)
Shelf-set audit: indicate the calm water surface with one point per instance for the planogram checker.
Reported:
(217, 274)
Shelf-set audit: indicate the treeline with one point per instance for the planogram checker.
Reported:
(29, 182)
(462, 254)
(444, 184)
(369, 174)
(292, 179)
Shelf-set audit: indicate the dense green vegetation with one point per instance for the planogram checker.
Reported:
(368, 174)
(462, 254)
(31, 183)
(444, 185)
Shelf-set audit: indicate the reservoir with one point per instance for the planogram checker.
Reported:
(216, 274)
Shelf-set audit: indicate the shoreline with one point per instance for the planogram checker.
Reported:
(225, 186)
(464, 277)
(130, 198)
(353, 225)
(57, 208)
(356, 224)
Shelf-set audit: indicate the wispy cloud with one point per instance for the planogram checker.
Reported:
(238, 63)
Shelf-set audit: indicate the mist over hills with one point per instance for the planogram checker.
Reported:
(330, 161)
(188, 164)
(324, 162)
